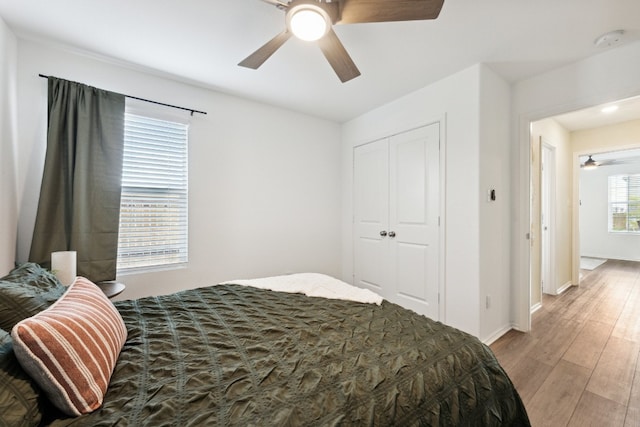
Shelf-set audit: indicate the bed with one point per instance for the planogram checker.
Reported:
(240, 355)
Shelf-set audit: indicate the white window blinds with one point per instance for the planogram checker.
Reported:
(153, 206)
(624, 203)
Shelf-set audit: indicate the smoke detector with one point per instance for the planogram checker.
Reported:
(609, 39)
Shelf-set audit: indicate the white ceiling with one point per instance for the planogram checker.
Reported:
(201, 41)
(593, 117)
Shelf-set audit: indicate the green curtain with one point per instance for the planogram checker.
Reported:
(79, 204)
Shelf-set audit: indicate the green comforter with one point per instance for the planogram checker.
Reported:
(234, 355)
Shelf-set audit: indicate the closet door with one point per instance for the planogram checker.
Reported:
(371, 217)
(414, 205)
(396, 224)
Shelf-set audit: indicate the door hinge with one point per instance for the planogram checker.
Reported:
(438, 221)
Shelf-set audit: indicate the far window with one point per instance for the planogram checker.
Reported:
(624, 203)
(153, 205)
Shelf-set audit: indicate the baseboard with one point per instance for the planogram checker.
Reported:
(494, 336)
(612, 258)
(564, 287)
(536, 307)
(516, 327)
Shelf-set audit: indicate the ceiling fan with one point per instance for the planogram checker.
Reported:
(589, 164)
(592, 164)
(313, 20)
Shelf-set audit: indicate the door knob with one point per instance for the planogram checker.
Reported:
(383, 233)
(392, 234)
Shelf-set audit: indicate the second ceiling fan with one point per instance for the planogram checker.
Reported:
(313, 20)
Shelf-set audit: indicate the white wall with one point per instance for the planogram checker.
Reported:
(608, 76)
(8, 143)
(619, 136)
(595, 239)
(495, 232)
(264, 183)
(456, 102)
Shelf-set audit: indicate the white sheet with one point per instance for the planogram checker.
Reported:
(312, 285)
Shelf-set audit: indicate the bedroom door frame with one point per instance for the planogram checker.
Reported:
(442, 123)
(521, 297)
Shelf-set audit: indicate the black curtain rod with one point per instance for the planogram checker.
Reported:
(153, 102)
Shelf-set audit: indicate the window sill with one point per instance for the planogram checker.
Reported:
(158, 268)
(625, 233)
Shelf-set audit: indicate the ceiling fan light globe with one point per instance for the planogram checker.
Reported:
(308, 23)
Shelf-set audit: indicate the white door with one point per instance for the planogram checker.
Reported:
(371, 217)
(547, 226)
(414, 209)
(396, 218)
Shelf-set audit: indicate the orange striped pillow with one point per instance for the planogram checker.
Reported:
(71, 348)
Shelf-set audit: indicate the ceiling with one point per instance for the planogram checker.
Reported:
(593, 117)
(201, 42)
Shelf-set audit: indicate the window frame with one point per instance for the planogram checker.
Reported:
(627, 205)
(154, 112)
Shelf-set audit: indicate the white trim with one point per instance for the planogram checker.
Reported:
(536, 307)
(610, 258)
(575, 227)
(522, 265)
(153, 269)
(442, 289)
(397, 130)
(548, 203)
(497, 334)
(564, 287)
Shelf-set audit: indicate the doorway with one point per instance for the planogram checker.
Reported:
(569, 137)
(609, 211)
(544, 215)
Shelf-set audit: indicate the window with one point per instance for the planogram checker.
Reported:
(624, 203)
(153, 205)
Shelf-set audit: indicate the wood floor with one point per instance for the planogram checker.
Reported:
(579, 364)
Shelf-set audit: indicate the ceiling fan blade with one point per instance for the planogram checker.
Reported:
(280, 4)
(257, 58)
(360, 11)
(338, 57)
(613, 162)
